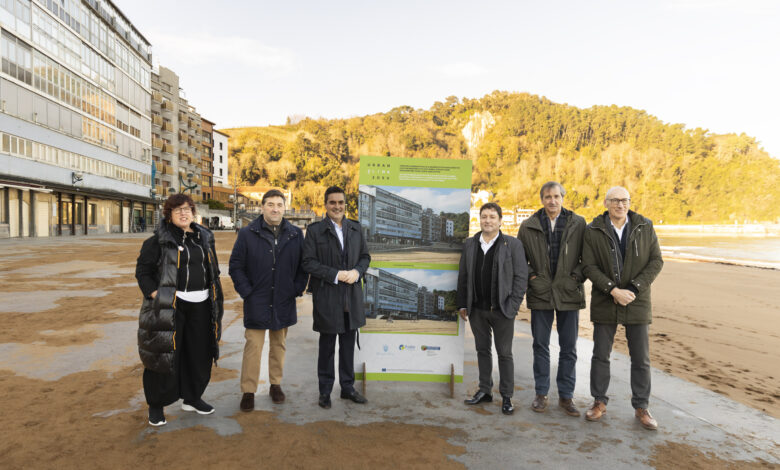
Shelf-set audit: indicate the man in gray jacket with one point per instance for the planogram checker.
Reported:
(491, 284)
(552, 239)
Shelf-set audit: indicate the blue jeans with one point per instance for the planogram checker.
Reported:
(541, 326)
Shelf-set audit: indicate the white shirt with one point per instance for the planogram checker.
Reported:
(620, 230)
(193, 295)
(552, 222)
(340, 235)
(339, 232)
(486, 245)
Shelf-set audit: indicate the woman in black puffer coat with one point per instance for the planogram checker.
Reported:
(181, 315)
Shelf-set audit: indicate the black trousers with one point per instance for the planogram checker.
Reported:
(192, 360)
(325, 361)
(484, 324)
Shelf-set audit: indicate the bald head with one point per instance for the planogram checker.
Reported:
(617, 192)
(617, 201)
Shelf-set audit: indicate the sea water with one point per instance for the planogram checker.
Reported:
(749, 251)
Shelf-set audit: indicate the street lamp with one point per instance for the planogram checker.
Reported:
(189, 185)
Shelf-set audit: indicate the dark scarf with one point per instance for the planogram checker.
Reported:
(554, 237)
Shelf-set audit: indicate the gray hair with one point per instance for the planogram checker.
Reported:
(549, 185)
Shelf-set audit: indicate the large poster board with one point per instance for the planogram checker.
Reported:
(414, 214)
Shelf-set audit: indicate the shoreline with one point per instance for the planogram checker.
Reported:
(692, 258)
(719, 230)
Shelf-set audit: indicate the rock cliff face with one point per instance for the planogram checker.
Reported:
(474, 130)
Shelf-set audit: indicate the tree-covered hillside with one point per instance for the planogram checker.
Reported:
(675, 174)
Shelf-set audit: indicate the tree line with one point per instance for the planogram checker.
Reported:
(675, 175)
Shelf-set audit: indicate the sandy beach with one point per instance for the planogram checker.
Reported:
(714, 325)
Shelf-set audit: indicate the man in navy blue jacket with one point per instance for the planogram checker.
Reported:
(267, 272)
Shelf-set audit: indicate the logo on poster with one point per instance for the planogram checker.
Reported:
(406, 347)
(385, 347)
(432, 348)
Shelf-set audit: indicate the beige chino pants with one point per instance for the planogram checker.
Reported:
(250, 365)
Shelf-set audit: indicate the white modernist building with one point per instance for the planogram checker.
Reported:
(221, 158)
(75, 126)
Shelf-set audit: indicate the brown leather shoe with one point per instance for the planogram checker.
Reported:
(646, 419)
(596, 411)
(568, 406)
(540, 404)
(247, 402)
(277, 395)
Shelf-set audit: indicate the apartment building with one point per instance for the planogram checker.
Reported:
(207, 159)
(386, 294)
(75, 119)
(389, 218)
(177, 137)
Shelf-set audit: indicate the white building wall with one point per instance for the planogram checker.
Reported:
(221, 159)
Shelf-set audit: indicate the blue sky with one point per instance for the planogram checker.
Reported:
(705, 63)
(430, 278)
(438, 199)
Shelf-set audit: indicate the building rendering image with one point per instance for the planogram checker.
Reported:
(75, 119)
(391, 297)
(391, 221)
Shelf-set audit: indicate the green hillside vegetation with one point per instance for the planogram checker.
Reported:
(675, 175)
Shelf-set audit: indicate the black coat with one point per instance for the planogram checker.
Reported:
(158, 268)
(268, 274)
(322, 260)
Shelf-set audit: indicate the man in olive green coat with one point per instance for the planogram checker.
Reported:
(622, 258)
(552, 239)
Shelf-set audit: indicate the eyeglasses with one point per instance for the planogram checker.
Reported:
(182, 210)
(615, 202)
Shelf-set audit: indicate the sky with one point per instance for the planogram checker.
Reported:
(437, 199)
(713, 64)
(430, 278)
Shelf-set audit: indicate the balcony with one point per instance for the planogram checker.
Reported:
(167, 105)
(182, 136)
(184, 155)
(167, 126)
(157, 120)
(182, 116)
(157, 143)
(167, 148)
(157, 96)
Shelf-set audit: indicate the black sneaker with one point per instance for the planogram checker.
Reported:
(198, 405)
(156, 416)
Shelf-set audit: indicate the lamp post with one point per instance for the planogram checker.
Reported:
(189, 184)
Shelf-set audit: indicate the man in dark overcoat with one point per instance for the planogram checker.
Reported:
(335, 255)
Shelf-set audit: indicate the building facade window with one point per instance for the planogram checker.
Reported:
(31, 150)
(17, 58)
(92, 214)
(3, 205)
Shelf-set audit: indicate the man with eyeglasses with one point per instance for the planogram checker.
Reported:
(622, 258)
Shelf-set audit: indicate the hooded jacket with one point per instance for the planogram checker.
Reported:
(159, 268)
(602, 265)
(562, 290)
